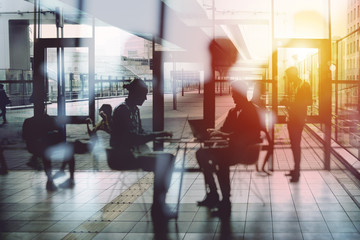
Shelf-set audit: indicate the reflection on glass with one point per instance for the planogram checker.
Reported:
(306, 60)
(301, 19)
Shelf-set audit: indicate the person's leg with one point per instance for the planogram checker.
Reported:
(223, 174)
(70, 183)
(50, 185)
(72, 167)
(203, 157)
(3, 113)
(295, 132)
(34, 163)
(224, 181)
(61, 171)
(3, 165)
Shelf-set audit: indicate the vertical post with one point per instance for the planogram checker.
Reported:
(209, 88)
(326, 77)
(274, 86)
(91, 81)
(61, 99)
(158, 97)
(63, 92)
(325, 99)
(209, 101)
(38, 79)
(336, 90)
(182, 82)
(38, 75)
(174, 87)
(158, 83)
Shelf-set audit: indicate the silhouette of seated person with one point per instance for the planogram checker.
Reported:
(104, 124)
(43, 140)
(242, 128)
(95, 143)
(129, 150)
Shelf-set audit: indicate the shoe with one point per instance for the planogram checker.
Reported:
(70, 183)
(162, 212)
(59, 174)
(50, 186)
(211, 200)
(295, 178)
(290, 174)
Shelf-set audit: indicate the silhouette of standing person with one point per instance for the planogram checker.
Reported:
(128, 140)
(300, 97)
(4, 100)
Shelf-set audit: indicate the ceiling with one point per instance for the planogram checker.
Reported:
(187, 25)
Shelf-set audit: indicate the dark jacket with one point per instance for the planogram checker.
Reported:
(4, 99)
(39, 133)
(298, 105)
(127, 131)
(243, 124)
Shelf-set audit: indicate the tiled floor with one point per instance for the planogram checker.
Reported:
(115, 205)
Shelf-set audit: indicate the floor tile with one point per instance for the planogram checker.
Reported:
(341, 227)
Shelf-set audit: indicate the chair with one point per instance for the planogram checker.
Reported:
(112, 158)
(252, 152)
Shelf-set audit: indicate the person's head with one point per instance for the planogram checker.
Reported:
(107, 109)
(239, 92)
(292, 74)
(223, 53)
(1, 86)
(137, 91)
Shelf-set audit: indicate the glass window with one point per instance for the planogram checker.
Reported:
(354, 13)
(301, 19)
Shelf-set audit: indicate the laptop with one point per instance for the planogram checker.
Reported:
(199, 129)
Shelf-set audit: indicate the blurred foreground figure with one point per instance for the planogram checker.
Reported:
(300, 97)
(129, 150)
(44, 140)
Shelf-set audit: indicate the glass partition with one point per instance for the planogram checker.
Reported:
(301, 19)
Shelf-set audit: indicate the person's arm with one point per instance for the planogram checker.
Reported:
(226, 131)
(219, 133)
(126, 131)
(103, 124)
(89, 129)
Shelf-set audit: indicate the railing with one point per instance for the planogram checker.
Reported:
(346, 115)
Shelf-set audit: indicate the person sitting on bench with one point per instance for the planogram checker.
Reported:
(129, 150)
